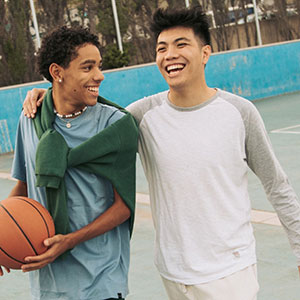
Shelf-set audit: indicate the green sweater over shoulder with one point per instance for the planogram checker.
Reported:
(111, 153)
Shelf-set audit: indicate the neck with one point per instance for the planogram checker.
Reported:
(64, 107)
(187, 97)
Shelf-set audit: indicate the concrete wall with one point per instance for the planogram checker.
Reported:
(253, 73)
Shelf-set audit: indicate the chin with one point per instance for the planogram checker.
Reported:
(93, 102)
(176, 85)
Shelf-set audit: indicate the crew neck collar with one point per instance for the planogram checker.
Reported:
(195, 107)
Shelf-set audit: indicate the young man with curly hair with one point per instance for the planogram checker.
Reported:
(196, 144)
(78, 159)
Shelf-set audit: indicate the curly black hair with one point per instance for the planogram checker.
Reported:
(61, 46)
(193, 18)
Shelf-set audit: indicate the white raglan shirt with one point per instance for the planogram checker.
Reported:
(196, 162)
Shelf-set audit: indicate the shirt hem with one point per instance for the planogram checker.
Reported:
(200, 279)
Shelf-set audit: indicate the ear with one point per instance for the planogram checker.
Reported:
(56, 71)
(206, 52)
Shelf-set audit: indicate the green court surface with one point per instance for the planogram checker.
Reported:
(277, 266)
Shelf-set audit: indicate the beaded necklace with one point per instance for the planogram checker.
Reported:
(70, 116)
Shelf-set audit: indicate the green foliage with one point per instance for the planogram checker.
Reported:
(16, 61)
(106, 23)
(113, 58)
(16, 43)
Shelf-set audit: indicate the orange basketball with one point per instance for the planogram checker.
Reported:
(24, 225)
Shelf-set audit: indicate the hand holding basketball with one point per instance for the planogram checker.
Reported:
(24, 225)
(57, 245)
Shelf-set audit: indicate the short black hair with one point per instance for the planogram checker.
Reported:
(194, 18)
(61, 46)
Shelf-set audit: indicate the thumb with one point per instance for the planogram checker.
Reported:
(50, 241)
(47, 242)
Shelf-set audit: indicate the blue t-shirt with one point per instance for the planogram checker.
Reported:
(97, 268)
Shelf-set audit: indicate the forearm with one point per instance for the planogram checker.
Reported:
(117, 214)
(262, 160)
(20, 189)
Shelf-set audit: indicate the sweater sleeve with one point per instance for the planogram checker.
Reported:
(19, 166)
(263, 162)
(124, 179)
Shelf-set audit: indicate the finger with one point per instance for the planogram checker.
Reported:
(33, 99)
(1, 270)
(46, 256)
(53, 240)
(34, 266)
(37, 98)
(27, 105)
(38, 261)
(37, 258)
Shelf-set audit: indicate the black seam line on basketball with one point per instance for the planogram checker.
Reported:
(28, 240)
(22, 262)
(39, 213)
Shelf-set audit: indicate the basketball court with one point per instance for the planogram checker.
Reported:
(277, 266)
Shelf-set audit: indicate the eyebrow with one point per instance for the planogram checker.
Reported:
(175, 41)
(89, 61)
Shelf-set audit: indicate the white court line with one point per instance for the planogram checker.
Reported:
(286, 130)
(257, 216)
(6, 176)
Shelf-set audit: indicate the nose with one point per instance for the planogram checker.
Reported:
(171, 53)
(98, 75)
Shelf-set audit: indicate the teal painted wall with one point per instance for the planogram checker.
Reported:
(253, 73)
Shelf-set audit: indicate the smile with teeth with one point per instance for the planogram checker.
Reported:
(175, 68)
(93, 89)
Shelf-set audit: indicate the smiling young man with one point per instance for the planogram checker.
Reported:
(196, 144)
(180, 55)
(78, 159)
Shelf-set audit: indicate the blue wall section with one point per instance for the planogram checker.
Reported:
(129, 84)
(258, 72)
(253, 73)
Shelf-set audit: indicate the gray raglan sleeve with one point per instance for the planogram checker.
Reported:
(136, 110)
(262, 161)
(140, 107)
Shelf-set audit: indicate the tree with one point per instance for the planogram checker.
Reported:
(113, 58)
(51, 13)
(16, 45)
(141, 39)
(135, 31)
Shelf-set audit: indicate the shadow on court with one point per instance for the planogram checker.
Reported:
(277, 267)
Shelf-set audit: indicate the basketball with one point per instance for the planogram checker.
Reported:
(24, 225)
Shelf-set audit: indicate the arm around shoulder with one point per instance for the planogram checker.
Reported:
(34, 99)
